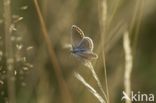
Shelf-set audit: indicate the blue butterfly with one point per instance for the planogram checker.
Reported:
(82, 46)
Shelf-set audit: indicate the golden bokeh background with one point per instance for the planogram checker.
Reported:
(41, 77)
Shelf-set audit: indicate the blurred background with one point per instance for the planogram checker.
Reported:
(37, 76)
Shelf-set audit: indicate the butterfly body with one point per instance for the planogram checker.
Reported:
(77, 50)
(82, 46)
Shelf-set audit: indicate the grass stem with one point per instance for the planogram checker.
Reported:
(128, 64)
(91, 89)
(103, 27)
(9, 52)
(89, 65)
(66, 98)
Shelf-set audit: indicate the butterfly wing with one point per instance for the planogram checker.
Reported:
(76, 36)
(84, 50)
(82, 46)
(88, 55)
(86, 44)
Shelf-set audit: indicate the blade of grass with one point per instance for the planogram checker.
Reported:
(66, 98)
(90, 67)
(114, 11)
(139, 19)
(9, 52)
(91, 89)
(103, 28)
(133, 22)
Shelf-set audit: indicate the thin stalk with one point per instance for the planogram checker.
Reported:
(106, 82)
(134, 16)
(91, 89)
(89, 65)
(103, 28)
(66, 97)
(9, 52)
(128, 64)
(140, 15)
(114, 11)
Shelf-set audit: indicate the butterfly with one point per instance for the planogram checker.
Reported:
(82, 46)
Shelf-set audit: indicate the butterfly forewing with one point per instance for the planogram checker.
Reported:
(77, 36)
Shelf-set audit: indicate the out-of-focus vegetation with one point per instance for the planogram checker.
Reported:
(30, 74)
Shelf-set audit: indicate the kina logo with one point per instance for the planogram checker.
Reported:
(138, 97)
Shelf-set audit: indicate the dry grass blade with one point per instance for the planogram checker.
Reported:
(66, 98)
(89, 87)
(103, 28)
(139, 17)
(9, 52)
(89, 65)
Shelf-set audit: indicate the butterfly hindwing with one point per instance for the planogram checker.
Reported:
(86, 43)
(88, 55)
